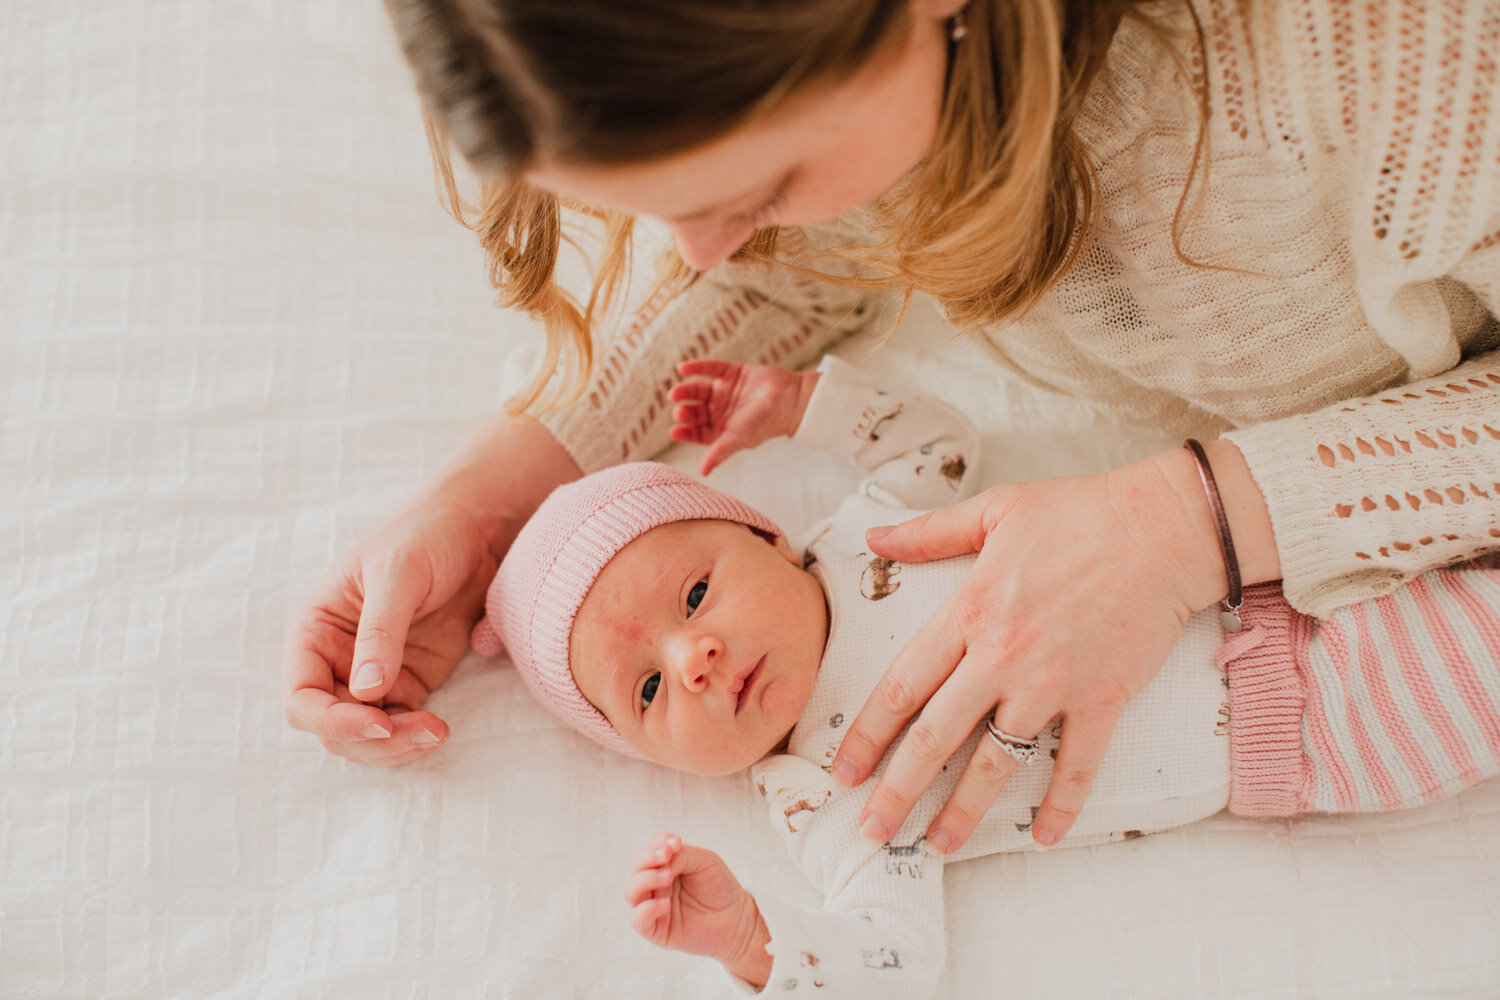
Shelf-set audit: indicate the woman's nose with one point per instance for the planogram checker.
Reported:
(703, 245)
(695, 657)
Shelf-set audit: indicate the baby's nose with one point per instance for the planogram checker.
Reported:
(697, 656)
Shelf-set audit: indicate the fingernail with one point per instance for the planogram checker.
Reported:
(845, 773)
(375, 731)
(880, 531)
(425, 738)
(1045, 839)
(872, 829)
(367, 676)
(940, 841)
(659, 854)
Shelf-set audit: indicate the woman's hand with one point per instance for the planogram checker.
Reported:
(1081, 588)
(735, 406)
(391, 619)
(687, 899)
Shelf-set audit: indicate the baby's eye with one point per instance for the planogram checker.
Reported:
(648, 691)
(696, 595)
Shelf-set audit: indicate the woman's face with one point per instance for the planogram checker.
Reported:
(819, 154)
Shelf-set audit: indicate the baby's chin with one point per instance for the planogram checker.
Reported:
(735, 763)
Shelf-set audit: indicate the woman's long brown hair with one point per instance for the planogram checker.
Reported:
(985, 223)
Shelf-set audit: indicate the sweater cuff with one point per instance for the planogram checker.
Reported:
(1368, 494)
(1266, 667)
(1318, 575)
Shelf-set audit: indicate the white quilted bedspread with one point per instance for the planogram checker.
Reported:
(236, 331)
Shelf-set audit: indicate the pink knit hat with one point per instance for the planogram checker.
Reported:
(557, 556)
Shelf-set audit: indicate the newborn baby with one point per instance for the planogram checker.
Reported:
(671, 622)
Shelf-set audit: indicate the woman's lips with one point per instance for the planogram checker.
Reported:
(746, 683)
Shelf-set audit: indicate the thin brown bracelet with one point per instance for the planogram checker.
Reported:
(1229, 607)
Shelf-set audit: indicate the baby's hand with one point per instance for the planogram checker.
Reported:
(687, 899)
(737, 406)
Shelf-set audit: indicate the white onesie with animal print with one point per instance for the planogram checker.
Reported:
(880, 932)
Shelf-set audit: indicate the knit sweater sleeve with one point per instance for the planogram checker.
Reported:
(880, 933)
(1368, 493)
(739, 311)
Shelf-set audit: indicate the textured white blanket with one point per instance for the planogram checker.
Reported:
(236, 331)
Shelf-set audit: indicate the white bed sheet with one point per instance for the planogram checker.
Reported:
(236, 331)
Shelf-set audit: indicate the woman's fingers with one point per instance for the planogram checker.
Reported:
(365, 734)
(390, 600)
(957, 529)
(962, 703)
(981, 781)
(985, 774)
(1085, 738)
(918, 670)
(311, 695)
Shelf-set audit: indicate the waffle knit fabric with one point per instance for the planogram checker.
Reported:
(558, 554)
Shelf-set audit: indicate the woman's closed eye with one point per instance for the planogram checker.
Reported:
(760, 215)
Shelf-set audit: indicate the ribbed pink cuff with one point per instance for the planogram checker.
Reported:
(1266, 664)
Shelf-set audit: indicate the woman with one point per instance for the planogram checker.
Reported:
(1279, 222)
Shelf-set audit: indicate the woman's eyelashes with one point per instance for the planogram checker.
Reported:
(696, 594)
(648, 690)
(760, 216)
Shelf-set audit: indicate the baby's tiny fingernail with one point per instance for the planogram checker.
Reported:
(1045, 839)
(844, 771)
(374, 731)
(368, 675)
(873, 829)
(659, 854)
(878, 532)
(425, 738)
(940, 841)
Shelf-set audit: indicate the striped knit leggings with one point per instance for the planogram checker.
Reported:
(1390, 703)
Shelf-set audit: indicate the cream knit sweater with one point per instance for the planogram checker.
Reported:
(1337, 319)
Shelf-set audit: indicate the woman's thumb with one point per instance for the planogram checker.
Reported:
(938, 534)
(381, 640)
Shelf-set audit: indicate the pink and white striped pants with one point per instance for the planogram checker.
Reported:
(1390, 703)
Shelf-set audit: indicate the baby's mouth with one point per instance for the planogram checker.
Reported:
(746, 683)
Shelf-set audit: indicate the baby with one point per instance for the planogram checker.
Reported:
(674, 623)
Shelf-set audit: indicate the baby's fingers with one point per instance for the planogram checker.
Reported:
(698, 391)
(706, 366)
(651, 919)
(692, 416)
(649, 883)
(658, 853)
